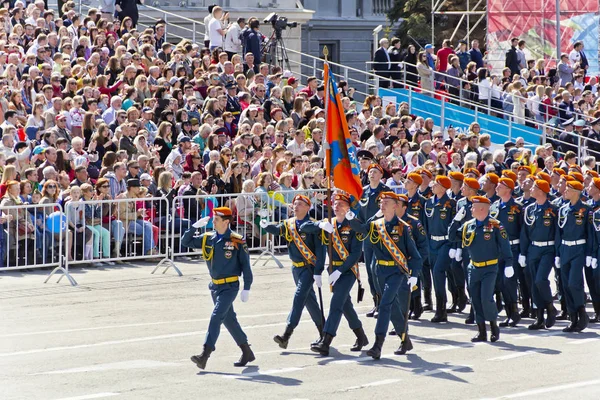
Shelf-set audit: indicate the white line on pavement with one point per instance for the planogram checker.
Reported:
(514, 355)
(443, 370)
(91, 396)
(366, 385)
(452, 347)
(583, 341)
(551, 389)
(267, 372)
(445, 335)
(121, 365)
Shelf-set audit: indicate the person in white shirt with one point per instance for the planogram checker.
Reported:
(297, 145)
(574, 57)
(216, 32)
(207, 20)
(233, 42)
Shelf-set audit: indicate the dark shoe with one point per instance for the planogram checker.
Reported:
(506, 322)
(462, 300)
(440, 312)
(375, 351)
(454, 306)
(282, 341)
(514, 314)
(371, 313)
(499, 301)
(320, 339)
(200, 360)
(533, 313)
(573, 325)
(551, 319)
(596, 313)
(526, 308)
(482, 335)
(361, 340)
(471, 318)
(405, 346)
(392, 332)
(539, 322)
(564, 315)
(582, 319)
(247, 356)
(427, 306)
(323, 346)
(494, 332)
(417, 308)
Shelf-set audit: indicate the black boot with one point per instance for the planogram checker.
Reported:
(320, 339)
(551, 319)
(454, 306)
(506, 322)
(471, 318)
(200, 360)
(514, 314)
(499, 301)
(361, 340)
(462, 300)
(539, 322)
(440, 312)
(371, 313)
(323, 346)
(582, 319)
(283, 340)
(392, 332)
(247, 356)
(494, 332)
(417, 308)
(375, 351)
(573, 325)
(405, 346)
(427, 306)
(526, 308)
(596, 313)
(563, 316)
(482, 335)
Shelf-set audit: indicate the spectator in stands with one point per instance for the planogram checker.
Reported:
(382, 62)
(426, 74)
(565, 70)
(512, 57)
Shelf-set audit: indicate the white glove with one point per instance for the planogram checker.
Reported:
(379, 214)
(458, 256)
(263, 213)
(318, 280)
(412, 282)
(452, 253)
(557, 262)
(350, 215)
(461, 214)
(522, 260)
(509, 272)
(588, 261)
(263, 223)
(201, 223)
(244, 295)
(594, 263)
(326, 226)
(334, 276)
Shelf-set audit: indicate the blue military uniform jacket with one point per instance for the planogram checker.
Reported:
(574, 224)
(539, 225)
(594, 222)
(416, 207)
(369, 202)
(486, 241)
(525, 202)
(439, 213)
(226, 255)
(510, 215)
(419, 235)
(427, 193)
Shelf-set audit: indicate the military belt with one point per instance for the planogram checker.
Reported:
(439, 238)
(337, 263)
(229, 279)
(386, 263)
(299, 264)
(484, 263)
(573, 242)
(516, 241)
(543, 244)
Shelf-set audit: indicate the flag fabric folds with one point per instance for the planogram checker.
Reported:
(342, 160)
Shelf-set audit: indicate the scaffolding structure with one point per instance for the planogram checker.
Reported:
(473, 16)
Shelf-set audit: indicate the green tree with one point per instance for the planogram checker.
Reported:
(416, 19)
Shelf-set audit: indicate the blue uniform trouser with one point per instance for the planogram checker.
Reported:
(426, 275)
(371, 268)
(400, 306)
(440, 260)
(508, 286)
(390, 283)
(539, 264)
(223, 297)
(341, 304)
(592, 277)
(572, 261)
(458, 274)
(304, 296)
(482, 282)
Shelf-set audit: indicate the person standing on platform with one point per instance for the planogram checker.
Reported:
(227, 257)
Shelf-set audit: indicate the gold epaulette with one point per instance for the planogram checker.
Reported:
(412, 217)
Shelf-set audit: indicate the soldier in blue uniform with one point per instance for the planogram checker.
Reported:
(487, 242)
(509, 213)
(233, 104)
(490, 182)
(439, 211)
(575, 251)
(525, 284)
(342, 275)
(425, 187)
(416, 208)
(457, 179)
(369, 205)
(540, 238)
(307, 253)
(398, 262)
(557, 173)
(227, 258)
(592, 272)
(559, 201)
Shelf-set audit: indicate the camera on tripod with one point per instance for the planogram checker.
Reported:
(279, 23)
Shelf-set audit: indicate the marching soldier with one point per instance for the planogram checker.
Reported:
(540, 238)
(398, 264)
(439, 210)
(592, 272)
(307, 253)
(557, 173)
(490, 183)
(575, 251)
(226, 255)
(525, 284)
(487, 242)
(425, 188)
(509, 213)
(343, 274)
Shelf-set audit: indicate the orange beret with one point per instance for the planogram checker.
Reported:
(388, 195)
(524, 168)
(376, 166)
(596, 182)
(424, 171)
(577, 175)
(444, 181)
(480, 200)
(575, 185)
(509, 174)
(303, 198)
(457, 176)
(544, 176)
(568, 178)
(472, 171)
(558, 171)
(403, 197)
(592, 173)
(543, 185)
(342, 197)
(509, 183)
(575, 167)
(416, 178)
(472, 183)
(492, 177)
(222, 211)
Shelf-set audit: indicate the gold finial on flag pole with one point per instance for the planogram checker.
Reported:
(326, 52)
